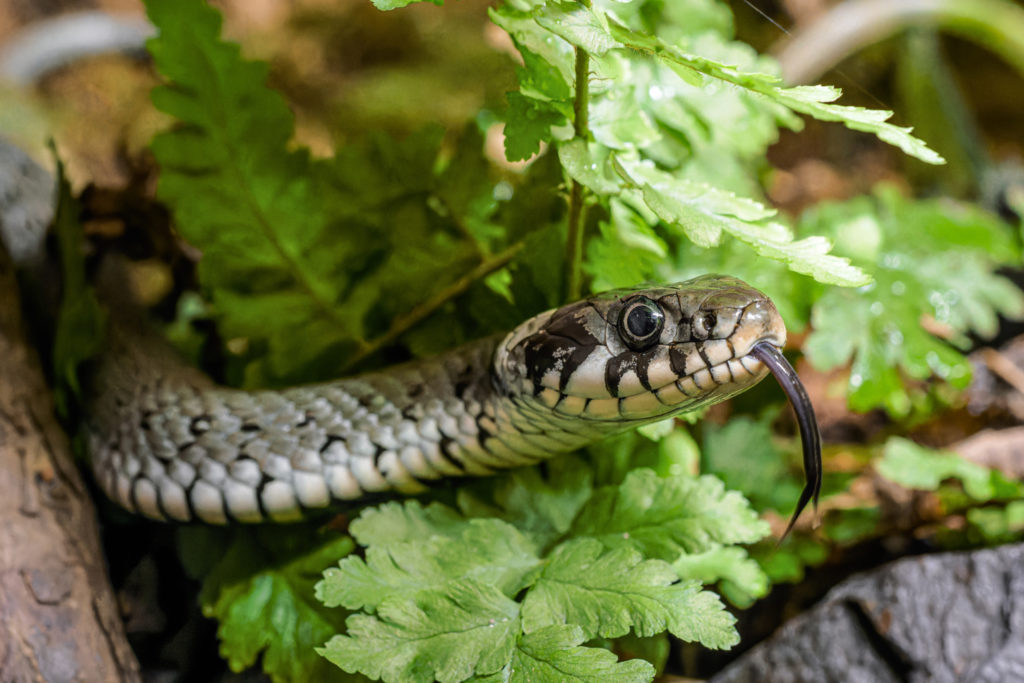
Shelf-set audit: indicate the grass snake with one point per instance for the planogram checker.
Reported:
(169, 444)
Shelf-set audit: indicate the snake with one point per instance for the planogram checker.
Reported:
(168, 443)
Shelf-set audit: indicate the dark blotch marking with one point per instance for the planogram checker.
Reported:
(704, 357)
(545, 351)
(677, 360)
(564, 340)
(196, 428)
(483, 432)
(131, 492)
(464, 380)
(250, 427)
(618, 366)
(643, 363)
(446, 452)
(264, 480)
(331, 438)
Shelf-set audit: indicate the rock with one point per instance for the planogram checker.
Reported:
(936, 618)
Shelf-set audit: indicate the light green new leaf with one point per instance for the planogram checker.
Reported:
(663, 517)
(486, 550)
(619, 122)
(468, 628)
(914, 466)
(741, 579)
(610, 592)
(589, 164)
(553, 655)
(542, 507)
(397, 522)
(385, 5)
(702, 213)
(529, 35)
(815, 101)
(929, 258)
(578, 24)
(699, 211)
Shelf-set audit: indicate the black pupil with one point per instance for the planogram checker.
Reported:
(642, 321)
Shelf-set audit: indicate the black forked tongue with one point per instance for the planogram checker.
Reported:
(772, 357)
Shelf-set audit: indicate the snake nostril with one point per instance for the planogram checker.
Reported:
(762, 313)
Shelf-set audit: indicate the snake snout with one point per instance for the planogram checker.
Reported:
(759, 322)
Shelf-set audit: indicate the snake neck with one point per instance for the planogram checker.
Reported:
(169, 444)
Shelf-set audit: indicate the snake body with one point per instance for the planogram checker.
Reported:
(167, 443)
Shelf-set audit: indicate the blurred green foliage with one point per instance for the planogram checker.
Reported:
(398, 248)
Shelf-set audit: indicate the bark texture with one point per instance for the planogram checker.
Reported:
(58, 616)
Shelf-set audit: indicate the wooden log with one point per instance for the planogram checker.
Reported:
(58, 617)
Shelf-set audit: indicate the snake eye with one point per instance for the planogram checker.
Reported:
(640, 323)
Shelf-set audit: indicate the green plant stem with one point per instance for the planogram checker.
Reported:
(403, 323)
(577, 208)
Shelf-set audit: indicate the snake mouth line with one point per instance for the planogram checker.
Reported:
(810, 438)
(711, 382)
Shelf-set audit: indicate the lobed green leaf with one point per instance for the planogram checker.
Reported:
(610, 592)
(554, 655)
(665, 517)
(447, 635)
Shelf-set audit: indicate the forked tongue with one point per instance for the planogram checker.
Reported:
(772, 357)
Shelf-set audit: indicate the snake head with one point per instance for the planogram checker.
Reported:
(637, 355)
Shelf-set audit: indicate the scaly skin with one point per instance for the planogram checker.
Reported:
(167, 443)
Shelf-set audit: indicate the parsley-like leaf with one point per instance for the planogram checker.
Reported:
(487, 550)
(929, 258)
(815, 101)
(468, 628)
(554, 655)
(739, 577)
(610, 592)
(914, 466)
(664, 517)
(543, 507)
(703, 213)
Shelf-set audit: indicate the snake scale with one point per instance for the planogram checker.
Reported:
(169, 444)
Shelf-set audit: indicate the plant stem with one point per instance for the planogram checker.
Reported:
(403, 323)
(577, 208)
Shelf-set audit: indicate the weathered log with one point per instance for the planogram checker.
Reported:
(58, 616)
